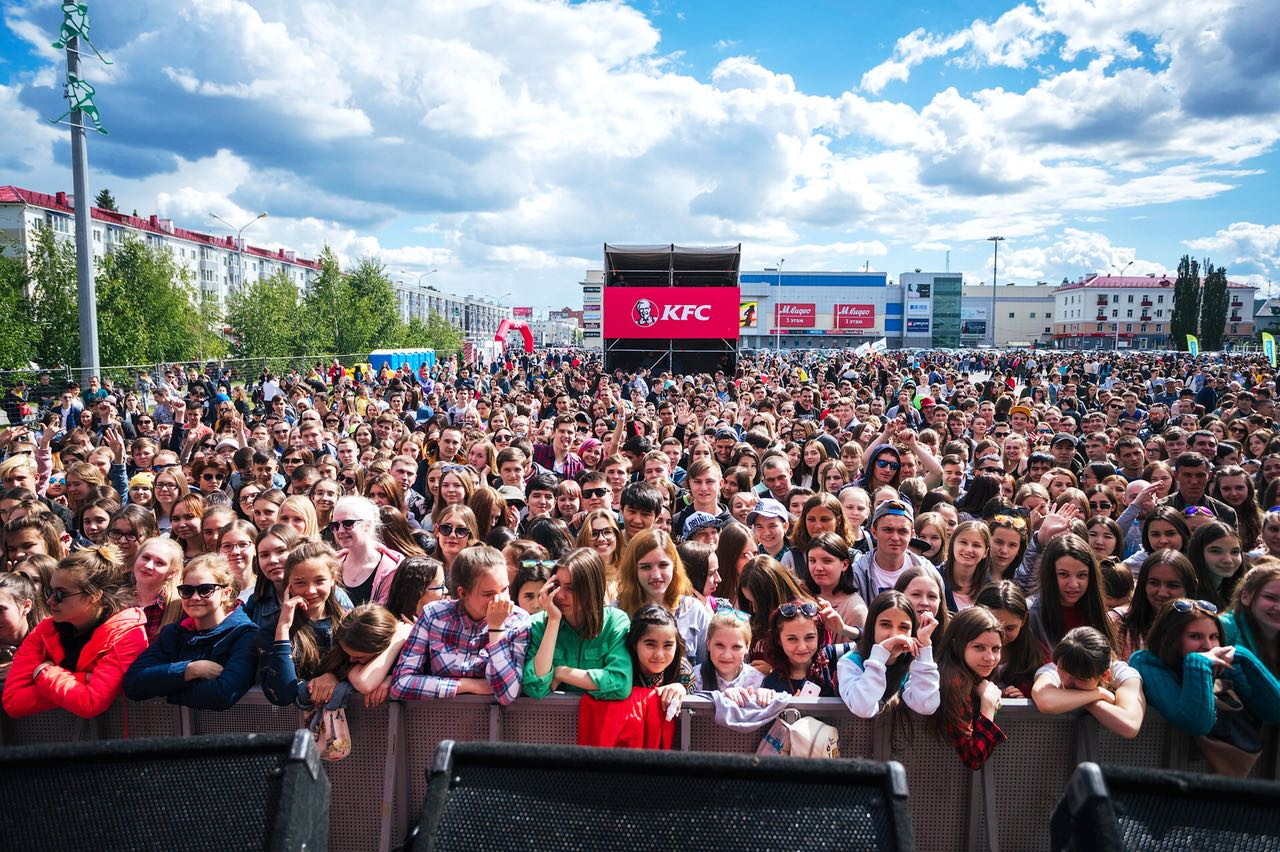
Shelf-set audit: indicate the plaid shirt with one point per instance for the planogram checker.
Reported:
(975, 745)
(447, 644)
(154, 612)
(545, 455)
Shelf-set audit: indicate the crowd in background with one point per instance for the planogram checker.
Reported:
(924, 531)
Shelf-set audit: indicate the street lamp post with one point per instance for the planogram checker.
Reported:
(1115, 343)
(777, 302)
(239, 232)
(995, 261)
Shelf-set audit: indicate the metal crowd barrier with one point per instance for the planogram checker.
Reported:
(378, 790)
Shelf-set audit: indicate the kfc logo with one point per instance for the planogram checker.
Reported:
(646, 313)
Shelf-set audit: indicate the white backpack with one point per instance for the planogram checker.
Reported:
(800, 736)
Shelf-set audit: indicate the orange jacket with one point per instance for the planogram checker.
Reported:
(98, 679)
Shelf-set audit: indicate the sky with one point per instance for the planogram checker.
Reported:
(503, 142)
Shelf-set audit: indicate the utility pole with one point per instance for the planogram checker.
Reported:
(85, 287)
(995, 261)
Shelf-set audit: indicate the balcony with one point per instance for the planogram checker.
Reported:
(1102, 317)
(1146, 301)
(1102, 300)
(1145, 318)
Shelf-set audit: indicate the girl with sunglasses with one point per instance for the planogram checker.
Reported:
(799, 649)
(367, 565)
(207, 661)
(1219, 694)
(76, 659)
(455, 531)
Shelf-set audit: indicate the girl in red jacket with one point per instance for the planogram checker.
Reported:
(76, 659)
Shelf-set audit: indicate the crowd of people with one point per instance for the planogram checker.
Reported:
(920, 532)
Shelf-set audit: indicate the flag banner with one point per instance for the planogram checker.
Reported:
(1269, 347)
(1193, 345)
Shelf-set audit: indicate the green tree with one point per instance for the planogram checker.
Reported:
(262, 317)
(320, 320)
(17, 334)
(55, 318)
(1186, 302)
(372, 316)
(435, 333)
(147, 309)
(105, 200)
(1213, 307)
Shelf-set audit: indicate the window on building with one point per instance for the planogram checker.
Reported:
(1143, 329)
(1129, 313)
(1115, 314)
(1033, 315)
(1128, 328)
(1099, 326)
(1010, 314)
(1115, 297)
(1131, 299)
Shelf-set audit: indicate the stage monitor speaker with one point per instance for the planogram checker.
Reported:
(1117, 808)
(220, 793)
(495, 796)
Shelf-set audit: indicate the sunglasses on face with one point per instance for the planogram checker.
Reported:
(454, 531)
(213, 476)
(887, 464)
(346, 523)
(58, 595)
(204, 590)
(1102, 504)
(502, 439)
(592, 493)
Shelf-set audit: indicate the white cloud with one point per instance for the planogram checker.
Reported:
(1243, 243)
(505, 140)
(1073, 253)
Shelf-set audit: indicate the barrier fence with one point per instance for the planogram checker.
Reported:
(378, 790)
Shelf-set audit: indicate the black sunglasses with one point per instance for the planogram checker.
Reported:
(204, 590)
(58, 595)
(452, 531)
(346, 524)
(591, 493)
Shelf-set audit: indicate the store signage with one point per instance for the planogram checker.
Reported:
(522, 313)
(853, 316)
(794, 315)
(671, 312)
(917, 308)
(918, 325)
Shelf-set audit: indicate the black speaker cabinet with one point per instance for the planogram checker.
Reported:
(1115, 808)
(494, 796)
(218, 793)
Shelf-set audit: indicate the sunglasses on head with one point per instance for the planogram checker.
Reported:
(1185, 605)
(1192, 511)
(454, 530)
(537, 563)
(204, 590)
(806, 608)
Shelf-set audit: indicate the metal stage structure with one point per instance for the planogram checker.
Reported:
(671, 308)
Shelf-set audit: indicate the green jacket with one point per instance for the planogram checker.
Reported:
(605, 657)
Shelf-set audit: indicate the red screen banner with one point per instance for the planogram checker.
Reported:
(670, 312)
(794, 315)
(854, 316)
(522, 313)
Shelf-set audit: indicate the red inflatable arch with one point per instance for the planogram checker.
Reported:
(506, 325)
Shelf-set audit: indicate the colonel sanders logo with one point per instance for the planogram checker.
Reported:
(644, 313)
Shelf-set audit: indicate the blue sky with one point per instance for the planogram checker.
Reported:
(503, 141)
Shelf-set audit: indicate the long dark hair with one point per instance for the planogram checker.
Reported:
(652, 615)
(957, 682)
(1217, 590)
(896, 670)
(1171, 516)
(981, 489)
(1095, 609)
(1020, 658)
(1137, 621)
(833, 544)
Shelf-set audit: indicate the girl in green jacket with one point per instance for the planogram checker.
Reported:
(578, 643)
(1254, 619)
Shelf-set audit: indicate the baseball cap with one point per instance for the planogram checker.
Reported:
(226, 442)
(699, 521)
(1064, 438)
(726, 433)
(511, 494)
(1020, 409)
(768, 508)
(900, 508)
(109, 400)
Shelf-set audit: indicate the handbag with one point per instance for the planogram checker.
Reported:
(800, 736)
(328, 724)
(1234, 743)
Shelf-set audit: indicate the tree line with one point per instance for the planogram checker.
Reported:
(1200, 308)
(150, 311)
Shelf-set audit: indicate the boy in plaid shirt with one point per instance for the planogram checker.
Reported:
(475, 643)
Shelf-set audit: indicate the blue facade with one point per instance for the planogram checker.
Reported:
(812, 279)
